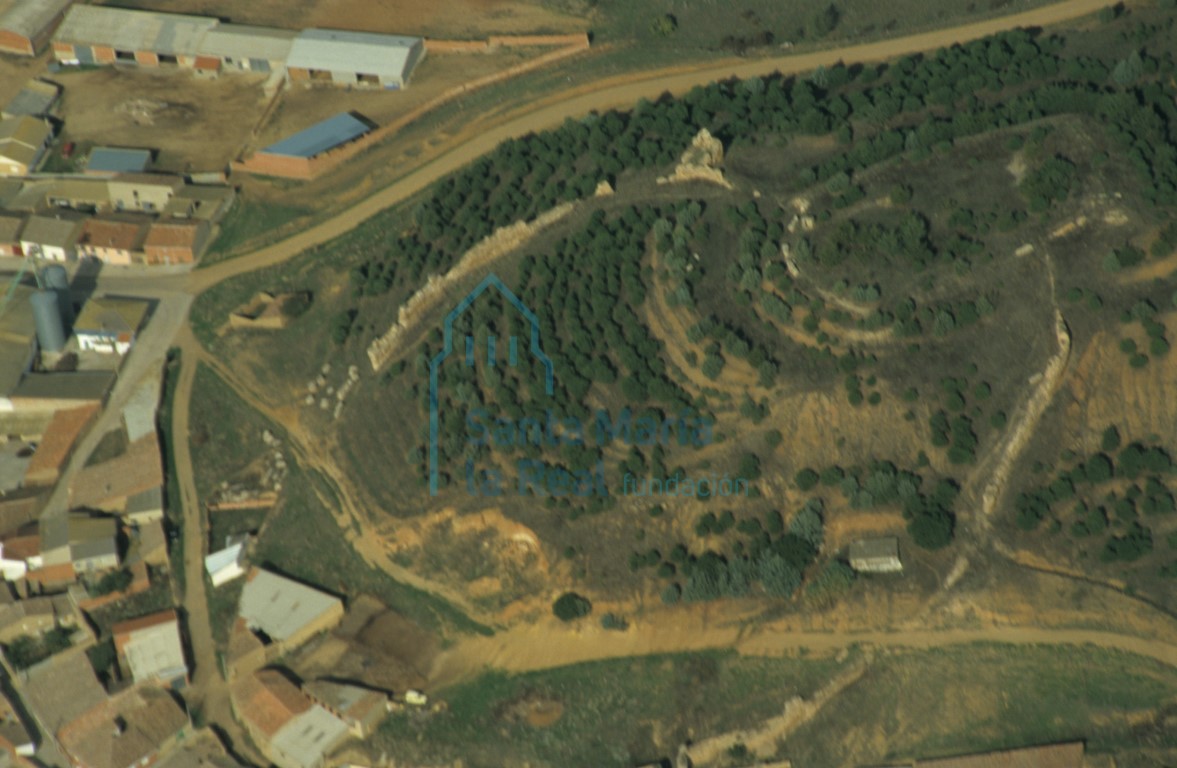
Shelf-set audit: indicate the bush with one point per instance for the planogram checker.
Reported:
(115, 581)
(614, 621)
(571, 606)
(672, 594)
(806, 479)
(664, 26)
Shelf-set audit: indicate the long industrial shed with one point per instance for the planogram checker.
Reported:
(100, 35)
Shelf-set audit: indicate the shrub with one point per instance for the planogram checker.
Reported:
(806, 479)
(571, 606)
(614, 621)
(672, 594)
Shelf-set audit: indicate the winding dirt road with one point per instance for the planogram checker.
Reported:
(529, 648)
(541, 646)
(480, 138)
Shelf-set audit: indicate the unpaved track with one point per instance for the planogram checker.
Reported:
(212, 692)
(534, 648)
(619, 92)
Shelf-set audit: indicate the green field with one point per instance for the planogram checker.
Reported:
(615, 713)
(985, 697)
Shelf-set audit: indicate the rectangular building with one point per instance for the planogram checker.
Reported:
(293, 157)
(109, 325)
(25, 25)
(112, 241)
(108, 161)
(37, 99)
(151, 649)
(876, 555)
(101, 35)
(354, 58)
(248, 48)
(286, 611)
(23, 141)
(176, 242)
(52, 237)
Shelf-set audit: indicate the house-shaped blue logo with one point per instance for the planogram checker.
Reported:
(490, 281)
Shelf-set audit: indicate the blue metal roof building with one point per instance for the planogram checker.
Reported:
(112, 160)
(321, 137)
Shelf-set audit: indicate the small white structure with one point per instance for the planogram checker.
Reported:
(876, 555)
(225, 565)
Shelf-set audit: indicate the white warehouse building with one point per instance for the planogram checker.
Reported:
(354, 58)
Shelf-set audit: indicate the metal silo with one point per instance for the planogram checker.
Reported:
(47, 317)
(55, 278)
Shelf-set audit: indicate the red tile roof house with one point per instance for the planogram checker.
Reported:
(290, 729)
(128, 730)
(175, 242)
(112, 242)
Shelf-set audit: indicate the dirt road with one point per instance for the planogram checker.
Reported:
(548, 645)
(212, 692)
(617, 92)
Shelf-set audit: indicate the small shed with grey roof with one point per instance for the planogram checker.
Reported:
(114, 160)
(37, 98)
(25, 25)
(876, 555)
(354, 58)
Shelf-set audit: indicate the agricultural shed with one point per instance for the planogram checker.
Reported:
(246, 47)
(112, 160)
(354, 58)
(25, 25)
(100, 35)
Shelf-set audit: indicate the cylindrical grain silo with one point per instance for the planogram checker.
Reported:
(55, 278)
(47, 317)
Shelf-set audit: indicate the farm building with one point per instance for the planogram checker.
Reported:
(287, 612)
(176, 242)
(109, 325)
(22, 144)
(289, 727)
(293, 156)
(112, 242)
(148, 192)
(354, 58)
(53, 238)
(248, 48)
(113, 160)
(876, 555)
(37, 98)
(99, 35)
(25, 25)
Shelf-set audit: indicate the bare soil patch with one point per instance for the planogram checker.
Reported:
(437, 18)
(196, 124)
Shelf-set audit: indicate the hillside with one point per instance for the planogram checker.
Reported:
(930, 299)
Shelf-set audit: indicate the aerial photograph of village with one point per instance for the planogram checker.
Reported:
(588, 383)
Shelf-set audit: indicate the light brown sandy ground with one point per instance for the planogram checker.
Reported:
(195, 123)
(436, 18)
(304, 105)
